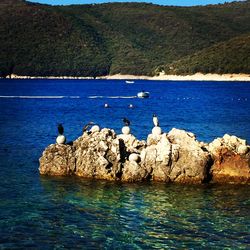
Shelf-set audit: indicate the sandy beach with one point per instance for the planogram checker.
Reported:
(162, 77)
(195, 77)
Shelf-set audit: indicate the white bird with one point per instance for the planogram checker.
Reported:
(155, 120)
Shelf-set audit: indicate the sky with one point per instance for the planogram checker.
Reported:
(160, 2)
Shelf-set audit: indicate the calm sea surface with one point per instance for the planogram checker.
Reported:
(72, 213)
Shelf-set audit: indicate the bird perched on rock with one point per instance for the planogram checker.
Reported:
(85, 128)
(61, 139)
(155, 120)
(126, 122)
(95, 128)
(60, 129)
(126, 128)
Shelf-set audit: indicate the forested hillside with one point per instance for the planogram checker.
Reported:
(126, 38)
(225, 57)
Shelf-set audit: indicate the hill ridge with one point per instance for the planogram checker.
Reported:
(113, 38)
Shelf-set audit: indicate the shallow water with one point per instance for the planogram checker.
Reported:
(72, 213)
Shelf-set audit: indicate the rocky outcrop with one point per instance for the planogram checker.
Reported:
(193, 159)
(98, 155)
(132, 170)
(58, 159)
(176, 157)
(156, 157)
(173, 157)
(231, 160)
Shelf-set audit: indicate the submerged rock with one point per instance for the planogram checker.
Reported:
(173, 157)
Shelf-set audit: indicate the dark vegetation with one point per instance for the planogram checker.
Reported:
(126, 38)
(225, 57)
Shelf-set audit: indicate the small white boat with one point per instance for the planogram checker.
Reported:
(143, 94)
(129, 82)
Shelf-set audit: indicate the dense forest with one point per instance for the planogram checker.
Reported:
(125, 38)
(232, 56)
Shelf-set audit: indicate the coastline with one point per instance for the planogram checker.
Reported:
(195, 77)
(161, 77)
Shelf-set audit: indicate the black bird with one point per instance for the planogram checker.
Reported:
(126, 121)
(60, 129)
(85, 128)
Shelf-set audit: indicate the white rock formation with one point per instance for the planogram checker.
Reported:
(95, 128)
(61, 139)
(156, 131)
(126, 130)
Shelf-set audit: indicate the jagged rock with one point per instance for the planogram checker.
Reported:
(232, 143)
(157, 156)
(98, 155)
(230, 167)
(242, 149)
(173, 157)
(57, 159)
(156, 131)
(231, 160)
(176, 157)
(133, 172)
(131, 143)
(192, 163)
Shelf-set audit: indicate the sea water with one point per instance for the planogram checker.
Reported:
(72, 213)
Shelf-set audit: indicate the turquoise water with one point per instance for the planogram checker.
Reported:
(79, 214)
(72, 213)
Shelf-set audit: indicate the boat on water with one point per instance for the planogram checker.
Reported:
(129, 82)
(143, 94)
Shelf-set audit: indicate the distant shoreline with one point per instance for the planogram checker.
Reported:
(162, 77)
